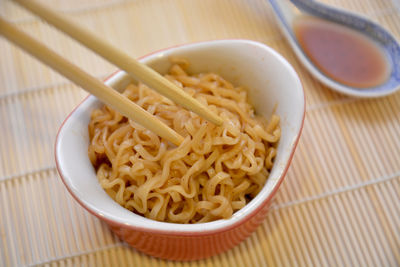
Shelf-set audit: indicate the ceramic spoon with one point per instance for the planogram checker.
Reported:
(287, 11)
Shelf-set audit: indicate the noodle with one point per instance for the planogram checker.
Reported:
(213, 173)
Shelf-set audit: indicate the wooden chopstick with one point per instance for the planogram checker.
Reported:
(88, 82)
(136, 69)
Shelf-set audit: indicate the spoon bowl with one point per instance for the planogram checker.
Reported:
(287, 11)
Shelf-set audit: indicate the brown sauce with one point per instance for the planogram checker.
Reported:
(343, 54)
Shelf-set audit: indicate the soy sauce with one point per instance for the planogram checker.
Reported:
(343, 54)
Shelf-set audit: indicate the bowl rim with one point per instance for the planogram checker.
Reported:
(221, 227)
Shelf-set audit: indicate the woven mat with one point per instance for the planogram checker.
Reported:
(338, 206)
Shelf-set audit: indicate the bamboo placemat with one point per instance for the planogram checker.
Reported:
(338, 206)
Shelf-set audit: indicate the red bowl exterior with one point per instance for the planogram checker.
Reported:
(187, 247)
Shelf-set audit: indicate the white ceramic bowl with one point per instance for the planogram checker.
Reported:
(271, 81)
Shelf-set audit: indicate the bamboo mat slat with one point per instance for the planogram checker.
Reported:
(338, 206)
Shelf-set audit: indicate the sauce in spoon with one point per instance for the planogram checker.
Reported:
(343, 54)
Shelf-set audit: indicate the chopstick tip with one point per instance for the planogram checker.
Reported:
(217, 120)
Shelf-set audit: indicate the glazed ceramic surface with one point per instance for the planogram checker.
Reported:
(272, 83)
(288, 10)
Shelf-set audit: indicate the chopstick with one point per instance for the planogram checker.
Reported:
(136, 69)
(88, 82)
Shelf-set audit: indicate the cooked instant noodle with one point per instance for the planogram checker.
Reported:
(213, 173)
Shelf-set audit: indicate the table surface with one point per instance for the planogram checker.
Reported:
(338, 206)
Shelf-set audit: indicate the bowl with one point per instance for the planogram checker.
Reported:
(272, 84)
